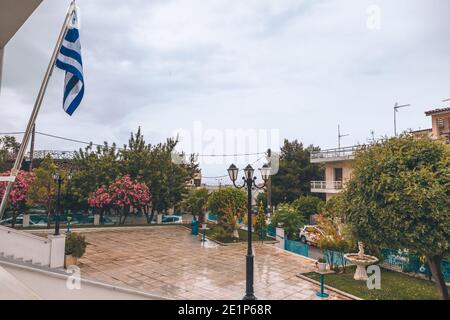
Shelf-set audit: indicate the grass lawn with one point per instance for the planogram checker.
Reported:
(394, 286)
(213, 234)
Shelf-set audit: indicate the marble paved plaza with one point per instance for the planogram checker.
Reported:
(170, 262)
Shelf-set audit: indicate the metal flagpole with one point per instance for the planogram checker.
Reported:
(37, 106)
(33, 134)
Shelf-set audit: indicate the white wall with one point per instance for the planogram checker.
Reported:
(45, 251)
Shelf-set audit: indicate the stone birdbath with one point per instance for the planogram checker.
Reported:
(361, 261)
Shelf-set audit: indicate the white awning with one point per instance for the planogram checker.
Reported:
(13, 15)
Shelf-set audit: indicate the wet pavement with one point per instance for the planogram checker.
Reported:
(170, 262)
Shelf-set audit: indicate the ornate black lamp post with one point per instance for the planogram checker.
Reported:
(59, 180)
(249, 182)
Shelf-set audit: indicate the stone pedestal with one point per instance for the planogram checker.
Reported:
(26, 220)
(360, 273)
(96, 219)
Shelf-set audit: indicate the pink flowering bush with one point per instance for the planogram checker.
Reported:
(126, 192)
(122, 194)
(19, 193)
(100, 198)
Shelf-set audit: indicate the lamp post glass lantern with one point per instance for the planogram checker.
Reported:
(249, 182)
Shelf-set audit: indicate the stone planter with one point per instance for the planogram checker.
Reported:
(70, 260)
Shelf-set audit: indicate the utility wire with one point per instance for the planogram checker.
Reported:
(51, 136)
(101, 145)
(225, 176)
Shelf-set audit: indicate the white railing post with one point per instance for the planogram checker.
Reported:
(280, 237)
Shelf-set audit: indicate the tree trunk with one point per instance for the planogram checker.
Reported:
(145, 209)
(49, 214)
(126, 212)
(14, 215)
(435, 266)
(152, 215)
(120, 215)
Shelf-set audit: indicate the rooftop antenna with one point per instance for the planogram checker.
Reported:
(372, 133)
(340, 136)
(446, 100)
(396, 107)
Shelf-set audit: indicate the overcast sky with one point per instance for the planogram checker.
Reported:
(295, 68)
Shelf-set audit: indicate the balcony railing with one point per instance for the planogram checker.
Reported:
(338, 153)
(55, 154)
(326, 185)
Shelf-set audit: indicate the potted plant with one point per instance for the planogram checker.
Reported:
(75, 248)
(321, 264)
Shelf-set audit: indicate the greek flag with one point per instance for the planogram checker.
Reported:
(69, 60)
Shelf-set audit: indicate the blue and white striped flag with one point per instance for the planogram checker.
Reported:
(69, 60)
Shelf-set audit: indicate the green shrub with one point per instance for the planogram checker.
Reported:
(75, 245)
(308, 205)
(290, 218)
(222, 233)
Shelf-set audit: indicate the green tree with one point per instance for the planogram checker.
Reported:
(295, 172)
(166, 178)
(102, 165)
(94, 167)
(398, 198)
(262, 197)
(335, 240)
(195, 203)
(8, 149)
(290, 218)
(42, 190)
(261, 220)
(230, 205)
(308, 205)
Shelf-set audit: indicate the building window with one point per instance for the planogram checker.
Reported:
(440, 123)
(337, 174)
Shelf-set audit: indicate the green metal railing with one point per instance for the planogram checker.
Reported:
(407, 262)
(271, 231)
(296, 247)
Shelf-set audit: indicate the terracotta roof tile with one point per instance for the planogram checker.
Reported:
(440, 110)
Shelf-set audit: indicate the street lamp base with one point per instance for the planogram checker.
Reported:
(249, 297)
